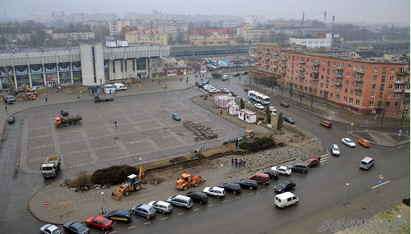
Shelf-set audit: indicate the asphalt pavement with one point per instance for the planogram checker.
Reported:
(53, 204)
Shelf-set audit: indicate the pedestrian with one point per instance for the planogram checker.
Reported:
(46, 100)
(115, 123)
(235, 161)
(244, 163)
(5, 108)
(232, 161)
(221, 112)
(240, 162)
(78, 98)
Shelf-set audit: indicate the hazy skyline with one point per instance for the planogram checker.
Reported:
(367, 11)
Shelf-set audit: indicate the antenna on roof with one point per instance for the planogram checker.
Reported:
(302, 25)
(325, 20)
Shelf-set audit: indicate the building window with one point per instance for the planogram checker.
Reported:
(397, 95)
(387, 104)
(345, 99)
(391, 78)
(357, 102)
(372, 94)
(393, 69)
(389, 95)
(337, 96)
(349, 66)
(375, 68)
(347, 82)
(383, 79)
(374, 86)
(384, 70)
(351, 99)
(382, 87)
(346, 90)
(371, 103)
(390, 86)
(348, 74)
(338, 88)
(375, 77)
(396, 104)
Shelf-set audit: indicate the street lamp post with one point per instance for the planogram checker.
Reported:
(346, 193)
(103, 209)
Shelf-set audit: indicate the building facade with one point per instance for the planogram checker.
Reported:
(211, 37)
(147, 36)
(177, 32)
(312, 42)
(115, 26)
(366, 86)
(84, 65)
(75, 36)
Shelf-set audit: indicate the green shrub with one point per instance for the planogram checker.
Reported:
(112, 175)
(258, 144)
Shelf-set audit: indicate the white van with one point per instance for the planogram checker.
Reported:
(285, 199)
(366, 163)
(120, 86)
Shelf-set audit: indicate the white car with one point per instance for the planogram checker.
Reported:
(348, 142)
(161, 206)
(282, 170)
(273, 111)
(50, 228)
(215, 191)
(259, 106)
(335, 150)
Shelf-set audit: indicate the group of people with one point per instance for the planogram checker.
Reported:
(238, 162)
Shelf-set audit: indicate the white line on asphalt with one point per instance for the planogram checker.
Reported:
(210, 205)
(196, 209)
(324, 155)
(111, 232)
(237, 197)
(399, 147)
(131, 227)
(147, 223)
(250, 193)
(180, 213)
(224, 201)
(378, 185)
(263, 189)
(163, 218)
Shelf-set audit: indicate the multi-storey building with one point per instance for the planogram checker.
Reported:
(248, 34)
(211, 37)
(75, 36)
(362, 85)
(115, 26)
(84, 65)
(177, 32)
(147, 36)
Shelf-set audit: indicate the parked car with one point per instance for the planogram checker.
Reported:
(326, 124)
(75, 227)
(176, 117)
(237, 74)
(259, 106)
(199, 197)
(260, 178)
(348, 142)
(335, 150)
(120, 215)
(365, 143)
(50, 229)
(284, 186)
(161, 206)
(231, 187)
(99, 222)
(64, 113)
(273, 111)
(9, 99)
(299, 167)
(289, 119)
(224, 78)
(11, 119)
(245, 73)
(181, 201)
(215, 191)
(225, 90)
(282, 170)
(272, 173)
(284, 104)
(144, 210)
(313, 161)
(234, 94)
(247, 89)
(247, 183)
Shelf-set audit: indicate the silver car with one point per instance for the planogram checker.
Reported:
(144, 210)
(161, 206)
(335, 150)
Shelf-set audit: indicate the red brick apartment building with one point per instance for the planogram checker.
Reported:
(367, 86)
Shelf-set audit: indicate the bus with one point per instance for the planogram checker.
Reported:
(259, 97)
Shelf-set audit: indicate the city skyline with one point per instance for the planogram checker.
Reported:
(349, 11)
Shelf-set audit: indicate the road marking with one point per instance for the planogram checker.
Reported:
(237, 197)
(263, 189)
(164, 218)
(196, 209)
(399, 147)
(147, 223)
(378, 185)
(111, 232)
(180, 213)
(224, 201)
(210, 205)
(131, 227)
(251, 193)
(315, 169)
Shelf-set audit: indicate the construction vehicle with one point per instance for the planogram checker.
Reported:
(51, 167)
(186, 180)
(64, 120)
(29, 96)
(98, 99)
(12, 85)
(132, 184)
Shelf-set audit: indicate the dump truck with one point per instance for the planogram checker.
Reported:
(186, 180)
(51, 167)
(64, 120)
(131, 184)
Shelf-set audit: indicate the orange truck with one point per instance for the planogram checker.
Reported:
(64, 120)
(186, 180)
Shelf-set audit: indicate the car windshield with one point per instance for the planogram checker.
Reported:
(105, 221)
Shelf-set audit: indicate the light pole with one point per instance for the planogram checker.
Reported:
(103, 210)
(325, 106)
(346, 193)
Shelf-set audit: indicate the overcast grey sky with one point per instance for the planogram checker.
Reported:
(369, 11)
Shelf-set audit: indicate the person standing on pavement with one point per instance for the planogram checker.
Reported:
(5, 107)
(115, 123)
(46, 100)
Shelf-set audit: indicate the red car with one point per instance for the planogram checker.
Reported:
(313, 161)
(284, 104)
(99, 222)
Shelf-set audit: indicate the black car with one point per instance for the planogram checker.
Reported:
(64, 112)
(237, 74)
(120, 215)
(199, 197)
(245, 73)
(231, 187)
(75, 227)
(11, 119)
(284, 186)
(289, 119)
(272, 173)
(299, 167)
(247, 183)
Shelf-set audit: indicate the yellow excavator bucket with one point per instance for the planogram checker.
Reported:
(117, 194)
